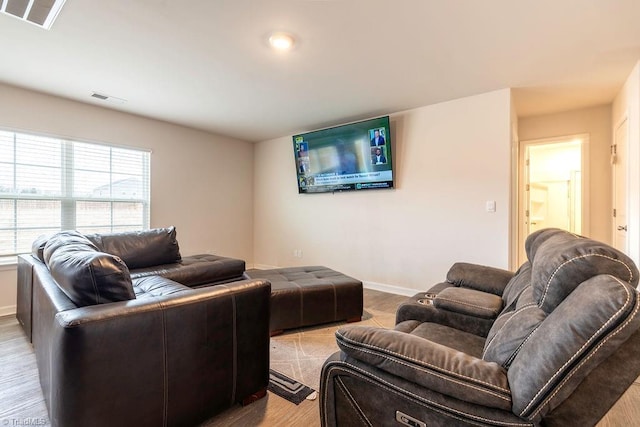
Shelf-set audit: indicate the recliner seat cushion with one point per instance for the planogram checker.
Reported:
(140, 249)
(86, 275)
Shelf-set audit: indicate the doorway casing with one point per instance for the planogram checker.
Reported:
(525, 214)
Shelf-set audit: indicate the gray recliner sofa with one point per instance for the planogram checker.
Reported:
(554, 344)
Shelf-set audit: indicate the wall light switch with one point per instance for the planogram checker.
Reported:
(490, 206)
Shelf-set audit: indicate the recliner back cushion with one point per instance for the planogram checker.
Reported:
(561, 262)
(585, 329)
(520, 280)
(565, 260)
(86, 275)
(140, 249)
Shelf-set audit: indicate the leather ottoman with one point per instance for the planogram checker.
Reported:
(311, 295)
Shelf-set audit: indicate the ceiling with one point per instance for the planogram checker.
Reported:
(206, 63)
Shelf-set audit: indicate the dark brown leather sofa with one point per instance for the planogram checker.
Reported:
(114, 347)
(554, 344)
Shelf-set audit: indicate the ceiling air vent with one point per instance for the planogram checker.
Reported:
(39, 12)
(100, 96)
(108, 98)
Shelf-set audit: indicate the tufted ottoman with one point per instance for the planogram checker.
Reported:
(304, 296)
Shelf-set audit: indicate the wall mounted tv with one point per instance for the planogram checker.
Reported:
(355, 156)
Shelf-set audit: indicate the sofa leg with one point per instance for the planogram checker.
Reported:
(354, 319)
(255, 396)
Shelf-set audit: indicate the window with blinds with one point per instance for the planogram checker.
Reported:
(49, 184)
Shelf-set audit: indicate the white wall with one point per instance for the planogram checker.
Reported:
(596, 122)
(200, 182)
(449, 159)
(627, 102)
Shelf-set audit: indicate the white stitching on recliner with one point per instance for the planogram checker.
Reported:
(546, 288)
(436, 374)
(352, 402)
(448, 411)
(490, 310)
(524, 307)
(585, 345)
(564, 381)
(419, 362)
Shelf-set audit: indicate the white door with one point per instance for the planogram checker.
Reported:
(619, 169)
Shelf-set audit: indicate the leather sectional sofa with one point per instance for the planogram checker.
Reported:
(128, 332)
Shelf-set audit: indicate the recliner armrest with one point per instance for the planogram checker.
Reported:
(469, 302)
(479, 277)
(428, 364)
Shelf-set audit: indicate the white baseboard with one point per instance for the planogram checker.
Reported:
(382, 287)
(7, 310)
(262, 267)
(409, 292)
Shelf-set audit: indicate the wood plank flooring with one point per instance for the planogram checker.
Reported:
(298, 353)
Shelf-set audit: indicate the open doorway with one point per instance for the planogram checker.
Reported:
(552, 191)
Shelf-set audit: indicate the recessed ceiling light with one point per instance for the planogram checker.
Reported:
(281, 41)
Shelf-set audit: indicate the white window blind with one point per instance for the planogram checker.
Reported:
(49, 184)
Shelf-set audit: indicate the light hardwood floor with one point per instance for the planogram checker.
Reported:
(298, 353)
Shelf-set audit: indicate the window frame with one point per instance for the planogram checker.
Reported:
(68, 200)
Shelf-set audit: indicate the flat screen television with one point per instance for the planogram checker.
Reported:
(356, 156)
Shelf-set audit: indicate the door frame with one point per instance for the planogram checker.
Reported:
(522, 198)
(624, 121)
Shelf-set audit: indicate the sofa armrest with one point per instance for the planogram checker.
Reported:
(422, 307)
(428, 364)
(479, 277)
(469, 301)
(186, 356)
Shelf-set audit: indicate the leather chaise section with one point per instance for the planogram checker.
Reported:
(197, 270)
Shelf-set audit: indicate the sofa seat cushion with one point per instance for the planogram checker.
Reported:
(157, 286)
(429, 364)
(86, 275)
(196, 270)
(444, 335)
(140, 249)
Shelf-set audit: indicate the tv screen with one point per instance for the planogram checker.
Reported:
(355, 156)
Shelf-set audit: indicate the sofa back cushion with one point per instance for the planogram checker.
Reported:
(565, 260)
(86, 275)
(140, 249)
(571, 306)
(583, 331)
(559, 262)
